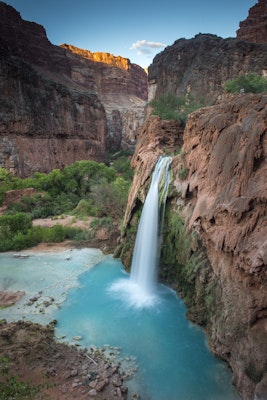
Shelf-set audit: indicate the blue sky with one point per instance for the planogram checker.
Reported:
(136, 29)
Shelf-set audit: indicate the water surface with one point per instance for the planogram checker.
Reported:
(169, 354)
(173, 361)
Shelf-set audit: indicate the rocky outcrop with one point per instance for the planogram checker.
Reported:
(154, 138)
(58, 105)
(254, 28)
(200, 66)
(222, 202)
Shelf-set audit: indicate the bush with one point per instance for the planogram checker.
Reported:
(110, 198)
(23, 241)
(249, 83)
(183, 172)
(170, 106)
(101, 223)
(122, 165)
(10, 225)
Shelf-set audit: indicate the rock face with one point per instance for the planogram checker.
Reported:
(254, 28)
(121, 88)
(223, 204)
(57, 104)
(226, 153)
(154, 138)
(200, 66)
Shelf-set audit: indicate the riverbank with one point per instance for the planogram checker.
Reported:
(35, 356)
(56, 370)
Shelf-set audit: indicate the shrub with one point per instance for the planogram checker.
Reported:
(169, 106)
(122, 165)
(101, 223)
(110, 198)
(183, 172)
(10, 225)
(249, 83)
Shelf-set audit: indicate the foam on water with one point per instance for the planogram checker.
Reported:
(133, 295)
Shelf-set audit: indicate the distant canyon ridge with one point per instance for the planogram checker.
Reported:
(60, 104)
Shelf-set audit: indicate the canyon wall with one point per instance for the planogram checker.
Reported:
(222, 203)
(200, 66)
(62, 104)
(121, 88)
(254, 27)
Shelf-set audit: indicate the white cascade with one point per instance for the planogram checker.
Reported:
(148, 240)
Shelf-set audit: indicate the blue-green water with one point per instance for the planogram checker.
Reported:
(173, 360)
(170, 354)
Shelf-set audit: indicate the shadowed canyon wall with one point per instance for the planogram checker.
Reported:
(59, 104)
(200, 66)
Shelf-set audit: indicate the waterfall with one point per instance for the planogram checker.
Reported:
(140, 290)
(148, 240)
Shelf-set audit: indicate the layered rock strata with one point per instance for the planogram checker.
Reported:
(199, 67)
(223, 204)
(254, 27)
(59, 105)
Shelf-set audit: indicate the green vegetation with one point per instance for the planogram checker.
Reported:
(183, 172)
(188, 269)
(176, 248)
(169, 106)
(85, 188)
(25, 235)
(11, 387)
(249, 83)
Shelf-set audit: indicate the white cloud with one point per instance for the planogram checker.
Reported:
(145, 47)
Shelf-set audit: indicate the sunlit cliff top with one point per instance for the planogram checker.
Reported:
(98, 56)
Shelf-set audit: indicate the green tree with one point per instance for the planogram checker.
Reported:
(82, 175)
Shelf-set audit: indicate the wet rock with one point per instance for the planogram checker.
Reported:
(92, 392)
(117, 380)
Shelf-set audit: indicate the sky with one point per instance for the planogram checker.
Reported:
(136, 29)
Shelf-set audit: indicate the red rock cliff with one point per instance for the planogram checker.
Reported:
(58, 107)
(226, 152)
(254, 28)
